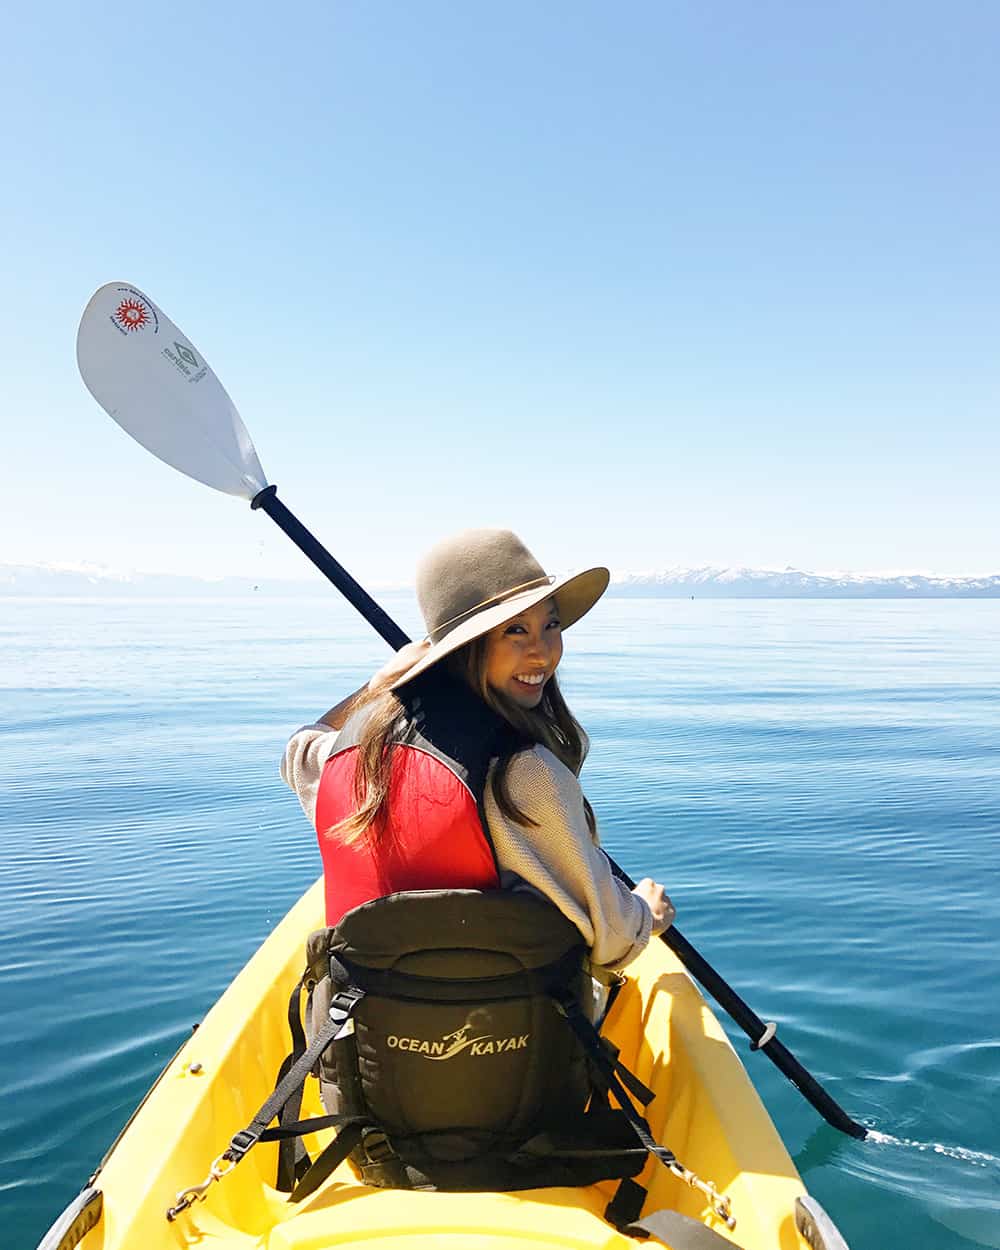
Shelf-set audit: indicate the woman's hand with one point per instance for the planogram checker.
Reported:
(655, 898)
(401, 663)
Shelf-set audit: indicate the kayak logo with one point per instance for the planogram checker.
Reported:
(131, 314)
(452, 1044)
(185, 361)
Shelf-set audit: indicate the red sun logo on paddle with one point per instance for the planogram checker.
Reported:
(131, 315)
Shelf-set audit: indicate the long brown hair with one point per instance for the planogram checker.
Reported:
(550, 724)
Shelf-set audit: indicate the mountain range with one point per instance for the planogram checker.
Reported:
(789, 583)
(39, 580)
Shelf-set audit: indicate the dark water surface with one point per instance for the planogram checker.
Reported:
(818, 783)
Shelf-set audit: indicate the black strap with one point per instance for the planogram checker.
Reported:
(642, 1093)
(293, 1159)
(590, 1039)
(609, 1059)
(676, 1230)
(639, 1125)
(286, 1132)
(342, 1008)
(547, 1145)
(626, 1206)
(330, 1158)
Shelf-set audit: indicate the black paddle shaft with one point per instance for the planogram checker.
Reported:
(699, 968)
(383, 624)
(753, 1026)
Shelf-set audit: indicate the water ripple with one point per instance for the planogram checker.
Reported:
(818, 784)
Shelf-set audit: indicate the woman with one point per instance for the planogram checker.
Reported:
(456, 766)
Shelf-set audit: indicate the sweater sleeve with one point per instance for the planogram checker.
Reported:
(558, 858)
(307, 751)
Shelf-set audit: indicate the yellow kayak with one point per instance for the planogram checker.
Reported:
(705, 1110)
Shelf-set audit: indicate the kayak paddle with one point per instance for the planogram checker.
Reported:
(147, 376)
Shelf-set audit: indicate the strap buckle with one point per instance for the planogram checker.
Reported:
(341, 1012)
(377, 1146)
(344, 1001)
(240, 1144)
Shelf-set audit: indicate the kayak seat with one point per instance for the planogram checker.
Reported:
(454, 1052)
(460, 1052)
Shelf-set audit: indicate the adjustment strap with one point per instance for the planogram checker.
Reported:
(632, 1083)
(639, 1125)
(591, 1041)
(285, 1132)
(604, 1055)
(346, 1140)
(342, 1009)
(293, 1159)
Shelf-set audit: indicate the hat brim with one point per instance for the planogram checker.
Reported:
(575, 595)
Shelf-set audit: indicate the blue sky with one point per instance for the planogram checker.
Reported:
(652, 284)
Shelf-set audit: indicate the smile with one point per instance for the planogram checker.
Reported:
(530, 679)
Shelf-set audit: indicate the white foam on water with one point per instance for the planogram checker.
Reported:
(979, 1157)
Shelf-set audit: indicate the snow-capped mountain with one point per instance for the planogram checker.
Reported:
(87, 581)
(789, 583)
(93, 580)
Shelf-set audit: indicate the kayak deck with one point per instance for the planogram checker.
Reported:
(705, 1110)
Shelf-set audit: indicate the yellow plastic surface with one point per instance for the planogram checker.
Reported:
(705, 1110)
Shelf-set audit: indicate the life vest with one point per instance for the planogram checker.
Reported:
(433, 834)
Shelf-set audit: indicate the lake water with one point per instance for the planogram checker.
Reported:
(817, 783)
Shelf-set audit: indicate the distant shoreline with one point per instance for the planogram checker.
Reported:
(39, 582)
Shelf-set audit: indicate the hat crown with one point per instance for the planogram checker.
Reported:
(470, 571)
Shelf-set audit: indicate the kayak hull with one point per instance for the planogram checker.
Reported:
(706, 1110)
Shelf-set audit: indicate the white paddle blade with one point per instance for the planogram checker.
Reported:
(146, 375)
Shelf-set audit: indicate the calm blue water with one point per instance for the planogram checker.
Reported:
(818, 784)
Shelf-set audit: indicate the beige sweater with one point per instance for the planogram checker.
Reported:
(557, 858)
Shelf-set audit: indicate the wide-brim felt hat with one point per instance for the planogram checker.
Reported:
(477, 580)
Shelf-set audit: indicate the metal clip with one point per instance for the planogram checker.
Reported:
(198, 1193)
(720, 1204)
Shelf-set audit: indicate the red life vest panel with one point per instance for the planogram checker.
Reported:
(433, 835)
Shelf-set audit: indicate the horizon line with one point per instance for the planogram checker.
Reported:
(112, 573)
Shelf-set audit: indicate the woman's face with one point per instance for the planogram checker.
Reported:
(523, 653)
